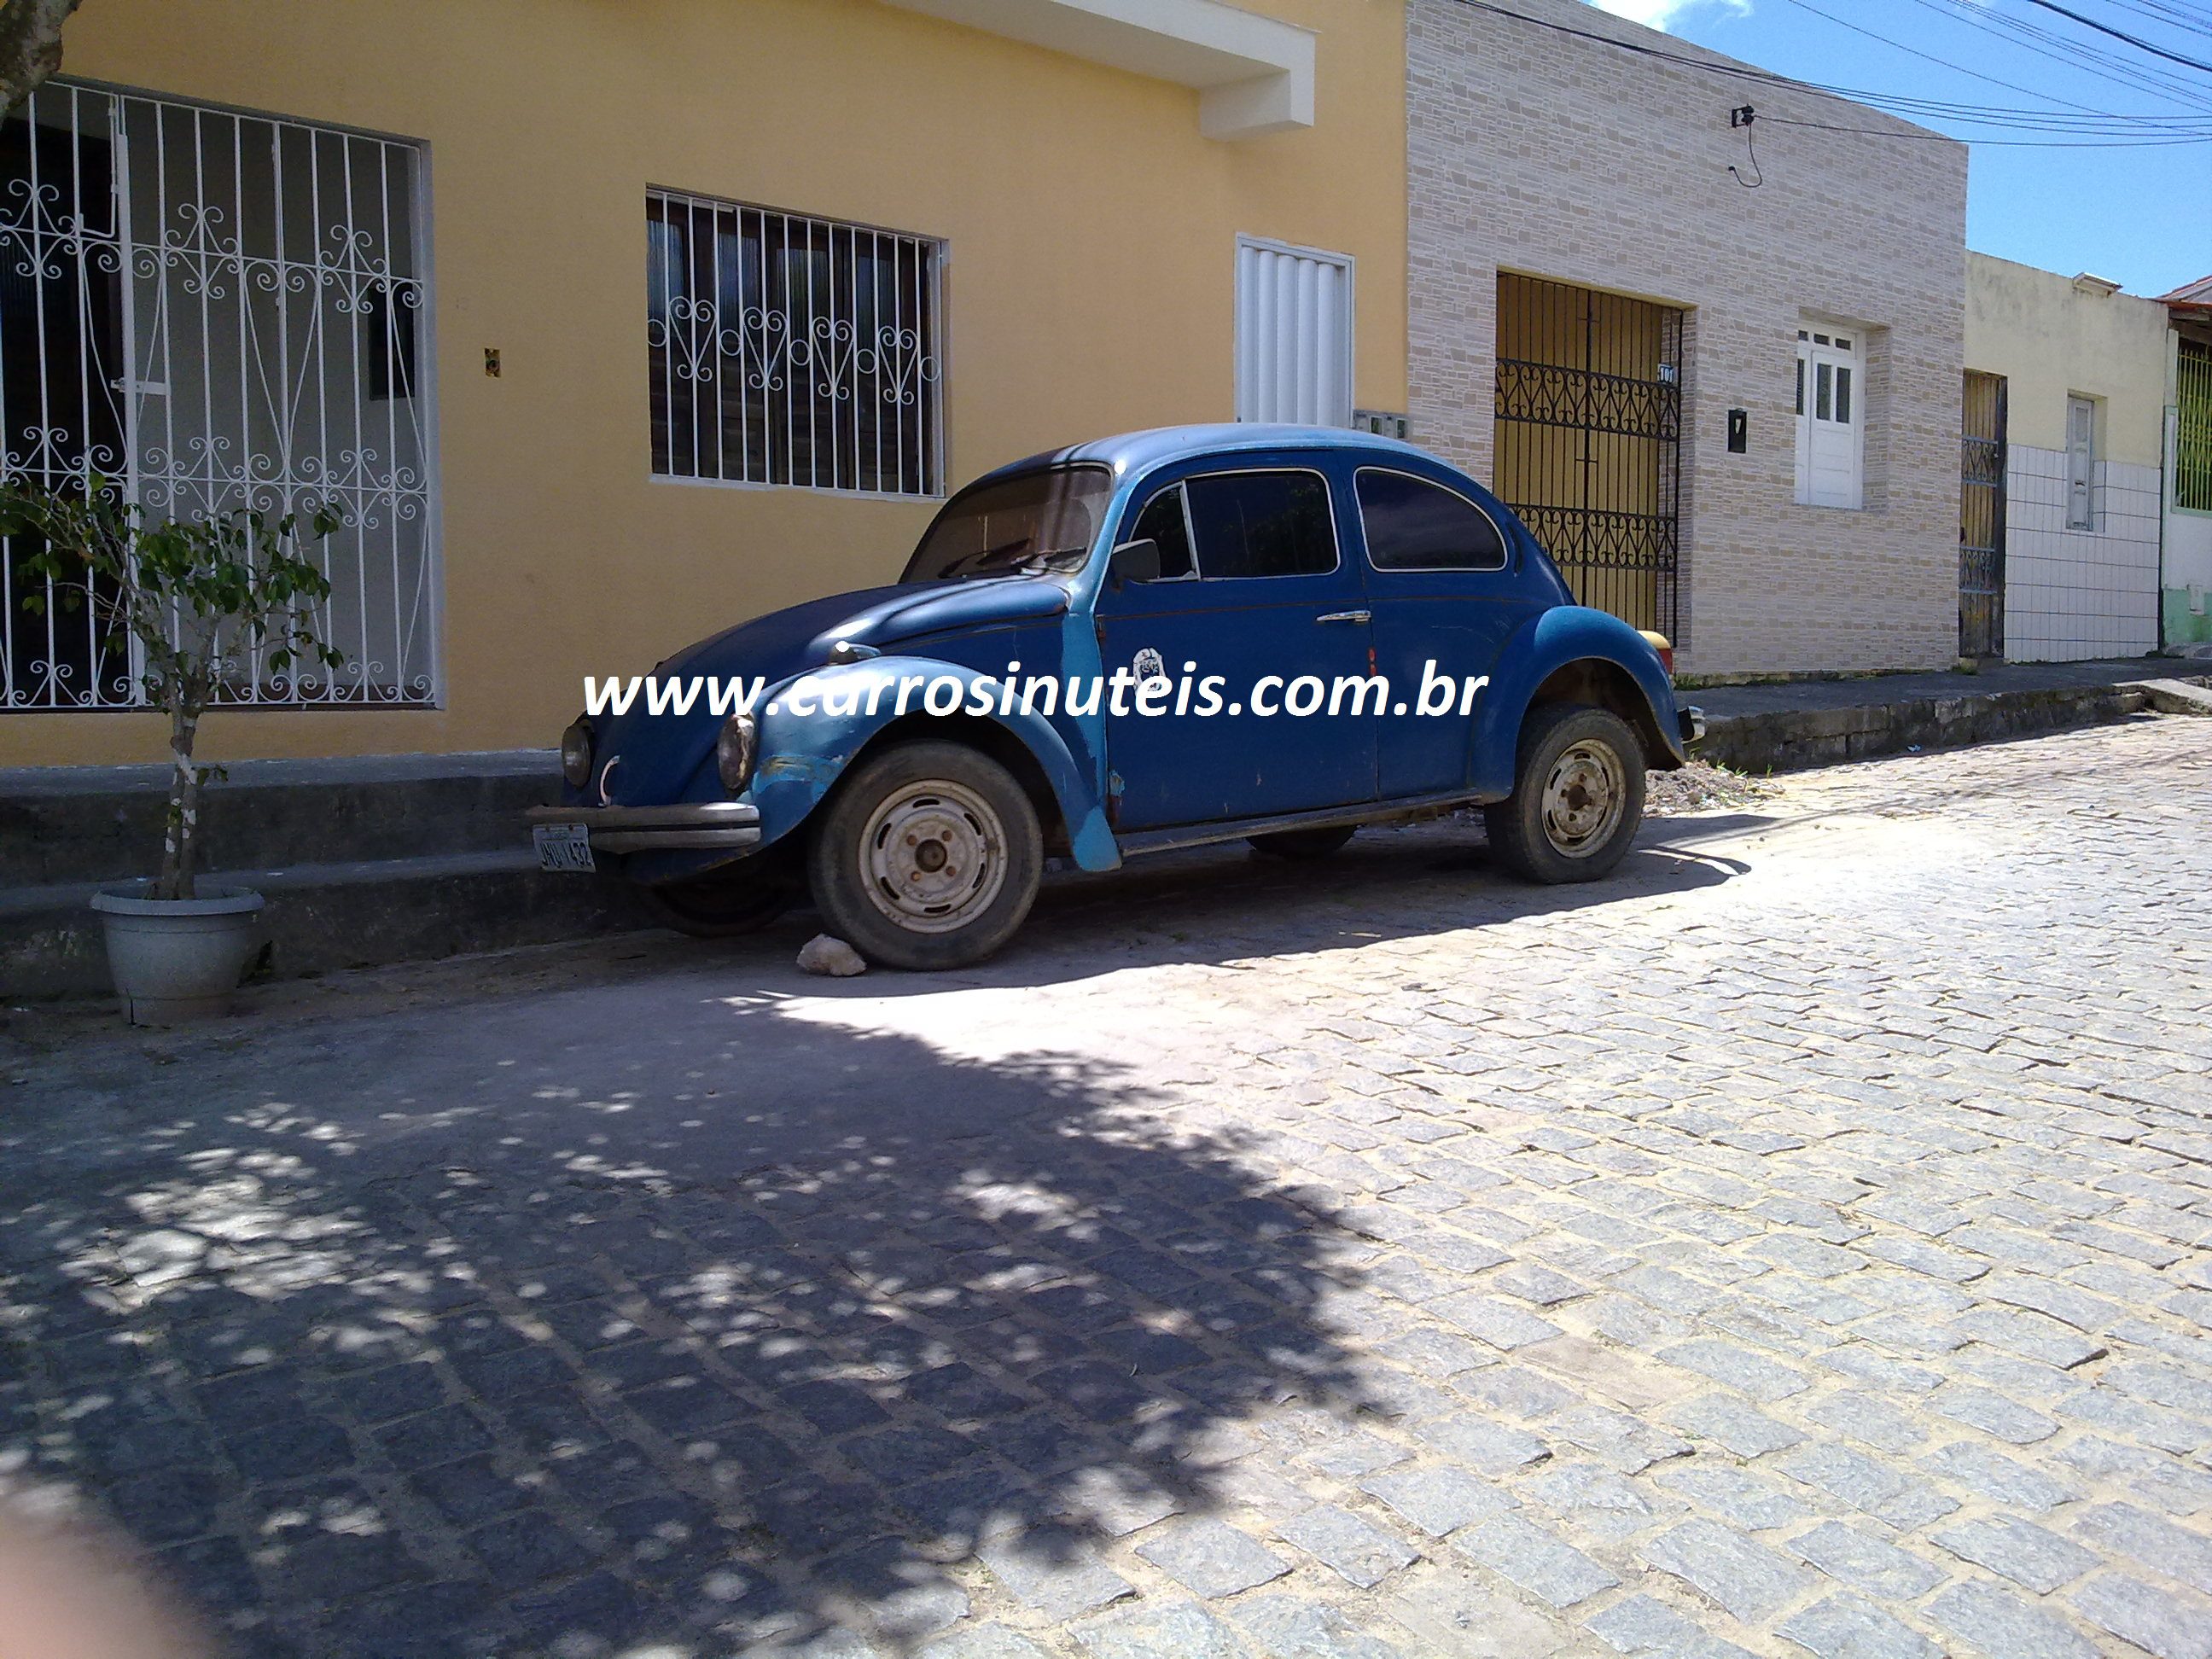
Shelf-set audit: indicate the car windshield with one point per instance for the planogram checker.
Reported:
(1037, 523)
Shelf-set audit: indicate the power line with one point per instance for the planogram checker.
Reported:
(2139, 44)
(2091, 130)
(1929, 57)
(2030, 37)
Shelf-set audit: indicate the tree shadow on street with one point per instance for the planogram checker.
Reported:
(572, 1324)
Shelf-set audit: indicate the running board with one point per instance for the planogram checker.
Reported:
(1141, 842)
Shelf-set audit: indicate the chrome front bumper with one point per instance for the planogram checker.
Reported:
(681, 828)
(1692, 720)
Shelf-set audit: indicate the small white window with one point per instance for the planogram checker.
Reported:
(1830, 449)
(2080, 463)
(1293, 334)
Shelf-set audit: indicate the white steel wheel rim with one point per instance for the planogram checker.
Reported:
(1584, 798)
(932, 856)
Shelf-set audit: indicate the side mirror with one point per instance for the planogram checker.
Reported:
(1135, 562)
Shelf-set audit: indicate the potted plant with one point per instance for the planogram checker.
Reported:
(199, 601)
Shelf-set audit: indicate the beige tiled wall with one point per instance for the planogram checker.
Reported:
(1537, 151)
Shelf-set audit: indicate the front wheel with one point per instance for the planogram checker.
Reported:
(1578, 798)
(927, 856)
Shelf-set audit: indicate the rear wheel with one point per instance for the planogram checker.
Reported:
(1578, 798)
(1303, 844)
(722, 904)
(929, 856)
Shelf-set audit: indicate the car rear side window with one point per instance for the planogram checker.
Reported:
(1414, 524)
(1163, 522)
(1261, 524)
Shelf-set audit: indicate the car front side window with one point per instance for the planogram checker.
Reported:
(1261, 524)
(1165, 523)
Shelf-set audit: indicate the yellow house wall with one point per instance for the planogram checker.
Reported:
(2051, 342)
(1089, 286)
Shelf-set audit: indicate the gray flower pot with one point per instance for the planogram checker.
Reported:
(178, 959)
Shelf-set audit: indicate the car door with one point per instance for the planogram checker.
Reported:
(1253, 586)
(1446, 598)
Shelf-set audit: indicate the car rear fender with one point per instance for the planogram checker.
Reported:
(1572, 654)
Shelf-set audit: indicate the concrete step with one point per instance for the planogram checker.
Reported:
(67, 824)
(322, 917)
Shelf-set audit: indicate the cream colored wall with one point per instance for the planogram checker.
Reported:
(2051, 342)
(1089, 284)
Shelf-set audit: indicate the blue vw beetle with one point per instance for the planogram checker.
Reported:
(1193, 635)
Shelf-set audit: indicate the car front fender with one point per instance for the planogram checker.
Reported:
(1554, 640)
(803, 753)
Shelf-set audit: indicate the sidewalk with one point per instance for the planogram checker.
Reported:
(1800, 723)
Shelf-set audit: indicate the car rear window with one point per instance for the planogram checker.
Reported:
(1261, 524)
(1413, 524)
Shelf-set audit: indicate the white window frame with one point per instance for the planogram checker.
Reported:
(1841, 367)
(237, 375)
(2080, 462)
(1260, 395)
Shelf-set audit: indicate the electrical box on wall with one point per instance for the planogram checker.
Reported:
(1376, 420)
(1739, 431)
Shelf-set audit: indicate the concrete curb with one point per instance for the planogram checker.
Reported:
(1793, 739)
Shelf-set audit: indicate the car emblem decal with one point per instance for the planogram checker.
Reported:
(605, 773)
(1148, 665)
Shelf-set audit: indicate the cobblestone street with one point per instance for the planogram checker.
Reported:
(1799, 1243)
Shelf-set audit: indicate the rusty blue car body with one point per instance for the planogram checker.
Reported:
(1241, 553)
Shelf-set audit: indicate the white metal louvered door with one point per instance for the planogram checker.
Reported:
(1294, 332)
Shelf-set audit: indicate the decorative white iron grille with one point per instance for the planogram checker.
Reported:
(217, 311)
(789, 350)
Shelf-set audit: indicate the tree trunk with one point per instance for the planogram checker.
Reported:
(30, 45)
(180, 846)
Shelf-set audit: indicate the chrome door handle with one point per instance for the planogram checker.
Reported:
(1346, 615)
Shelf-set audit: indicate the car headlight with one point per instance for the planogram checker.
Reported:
(736, 751)
(576, 754)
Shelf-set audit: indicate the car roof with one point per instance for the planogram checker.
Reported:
(1136, 452)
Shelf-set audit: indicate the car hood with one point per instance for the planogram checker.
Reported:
(793, 640)
(661, 756)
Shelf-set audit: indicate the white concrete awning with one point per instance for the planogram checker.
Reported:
(1254, 74)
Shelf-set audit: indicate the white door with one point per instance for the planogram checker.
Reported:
(2080, 463)
(1293, 334)
(1828, 418)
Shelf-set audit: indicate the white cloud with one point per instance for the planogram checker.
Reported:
(1661, 14)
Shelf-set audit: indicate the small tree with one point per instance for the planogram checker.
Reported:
(30, 45)
(202, 598)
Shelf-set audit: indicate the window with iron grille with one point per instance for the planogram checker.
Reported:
(2192, 451)
(214, 311)
(790, 351)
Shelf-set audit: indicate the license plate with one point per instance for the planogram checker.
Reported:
(563, 846)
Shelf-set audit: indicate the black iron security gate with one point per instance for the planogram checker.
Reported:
(1982, 516)
(1589, 440)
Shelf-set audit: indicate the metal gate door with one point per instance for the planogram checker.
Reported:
(1589, 440)
(1982, 516)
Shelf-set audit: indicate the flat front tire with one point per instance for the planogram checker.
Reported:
(1578, 798)
(927, 856)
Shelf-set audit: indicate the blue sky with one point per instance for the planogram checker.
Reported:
(2140, 217)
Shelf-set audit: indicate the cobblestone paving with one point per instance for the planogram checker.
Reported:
(1801, 1243)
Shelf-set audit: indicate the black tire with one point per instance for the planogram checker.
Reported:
(917, 908)
(1304, 844)
(721, 904)
(1578, 798)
